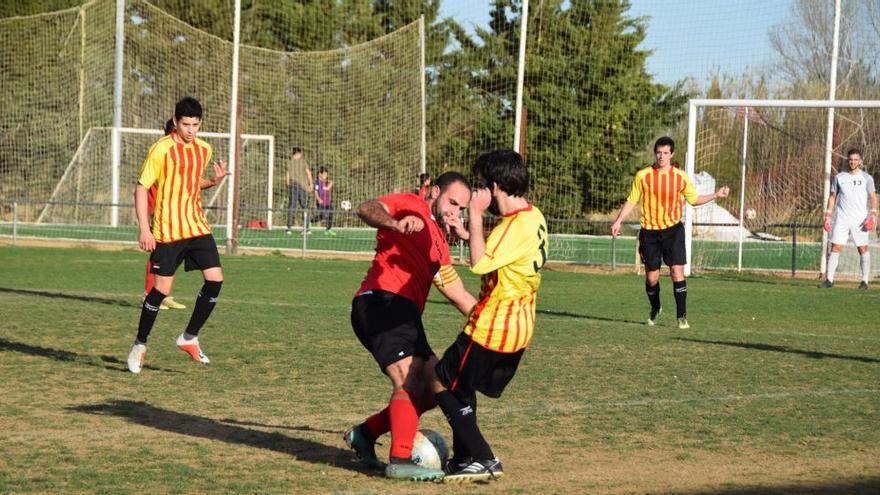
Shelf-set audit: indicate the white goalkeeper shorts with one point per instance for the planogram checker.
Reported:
(843, 229)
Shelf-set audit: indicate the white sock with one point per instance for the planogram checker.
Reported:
(833, 258)
(865, 264)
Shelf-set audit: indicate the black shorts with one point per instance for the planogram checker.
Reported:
(665, 243)
(467, 367)
(389, 326)
(199, 253)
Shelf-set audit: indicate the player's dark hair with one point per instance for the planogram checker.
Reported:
(423, 177)
(665, 141)
(169, 126)
(295, 150)
(854, 151)
(446, 178)
(505, 168)
(187, 107)
(322, 169)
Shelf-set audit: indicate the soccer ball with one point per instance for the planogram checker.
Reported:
(751, 213)
(430, 449)
(345, 205)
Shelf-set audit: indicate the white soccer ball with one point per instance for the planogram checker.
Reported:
(430, 449)
(345, 205)
(751, 213)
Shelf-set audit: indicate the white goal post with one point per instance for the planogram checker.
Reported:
(695, 104)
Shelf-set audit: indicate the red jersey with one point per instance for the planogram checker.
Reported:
(405, 264)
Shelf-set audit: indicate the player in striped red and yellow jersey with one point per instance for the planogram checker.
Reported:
(178, 230)
(487, 352)
(660, 188)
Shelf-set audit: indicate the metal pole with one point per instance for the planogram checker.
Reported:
(14, 221)
(742, 190)
(270, 201)
(829, 135)
(689, 168)
(613, 253)
(424, 150)
(520, 73)
(117, 113)
(793, 249)
(230, 184)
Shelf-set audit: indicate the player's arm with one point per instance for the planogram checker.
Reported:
(871, 221)
(376, 214)
(625, 210)
(450, 285)
(829, 210)
(141, 207)
(702, 199)
(219, 173)
(480, 200)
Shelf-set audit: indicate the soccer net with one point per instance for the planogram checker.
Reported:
(771, 153)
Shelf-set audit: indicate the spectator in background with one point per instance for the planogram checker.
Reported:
(298, 179)
(322, 193)
(424, 185)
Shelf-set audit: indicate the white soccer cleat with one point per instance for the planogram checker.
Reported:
(192, 348)
(136, 358)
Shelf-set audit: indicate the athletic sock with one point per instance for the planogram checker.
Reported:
(149, 310)
(204, 305)
(380, 423)
(463, 420)
(681, 293)
(865, 265)
(653, 292)
(404, 423)
(833, 258)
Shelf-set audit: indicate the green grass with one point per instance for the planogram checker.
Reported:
(775, 389)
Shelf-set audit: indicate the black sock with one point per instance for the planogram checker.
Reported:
(204, 305)
(149, 310)
(463, 420)
(653, 292)
(681, 294)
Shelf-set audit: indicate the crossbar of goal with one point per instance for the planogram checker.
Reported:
(696, 103)
(223, 135)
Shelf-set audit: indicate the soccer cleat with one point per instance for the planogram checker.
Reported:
(477, 471)
(827, 284)
(363, 447)
(288, 231)
(169, 302)
(683, 323)
(331, 233)
(863, 285)
(408, 470)
(652, 316)
(162, 305)
(136, 358)
(455, 465)
(192, 348)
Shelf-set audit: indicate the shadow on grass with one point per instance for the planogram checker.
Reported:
(145, 414)
(781, 348)
(75, 297)
(279, 427)
(863, 486)
(108, 362)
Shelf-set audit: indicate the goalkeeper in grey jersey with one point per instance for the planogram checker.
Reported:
(848, 216)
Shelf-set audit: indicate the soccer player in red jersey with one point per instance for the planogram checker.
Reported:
(386, 313)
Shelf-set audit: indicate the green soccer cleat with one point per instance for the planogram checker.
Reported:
(653, 315)
(331, 233)
(683, 324)
(408, 470)
(363, 447)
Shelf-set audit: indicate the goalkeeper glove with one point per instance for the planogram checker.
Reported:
(826, 224)
(868, 224)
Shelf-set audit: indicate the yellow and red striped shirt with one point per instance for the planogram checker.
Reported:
(660, 192)
(176, 170)
(504, 318)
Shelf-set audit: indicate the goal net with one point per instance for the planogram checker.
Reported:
(771, 153)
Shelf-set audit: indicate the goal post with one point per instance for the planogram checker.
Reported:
(694, 107)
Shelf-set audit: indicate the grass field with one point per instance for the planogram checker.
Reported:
(775, 389)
